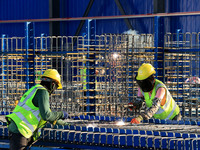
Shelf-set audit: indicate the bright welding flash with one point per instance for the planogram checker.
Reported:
(115, 55)
(120, 123)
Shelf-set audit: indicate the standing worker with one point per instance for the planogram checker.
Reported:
(156, 97)
(33, 111)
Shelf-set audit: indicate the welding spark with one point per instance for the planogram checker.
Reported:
(120, 123)
(115, 55)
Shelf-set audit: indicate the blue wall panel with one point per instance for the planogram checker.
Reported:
(18, 29)
(113, 26)
(186, 23)
(23, 9)
(11, 29)
(76, 8)
(182, 5)
(39, 9)
(137, 7)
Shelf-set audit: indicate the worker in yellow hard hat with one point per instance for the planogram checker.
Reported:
(33, 111)
(155, 96)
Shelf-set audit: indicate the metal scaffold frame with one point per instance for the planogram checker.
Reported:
(182, 70)
(98, 79)
(98, 70)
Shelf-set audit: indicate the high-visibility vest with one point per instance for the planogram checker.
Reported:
(169, 110)
(83, 78)
(26, 116)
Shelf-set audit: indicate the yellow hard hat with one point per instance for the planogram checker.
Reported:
(53, 74)
(145, 71)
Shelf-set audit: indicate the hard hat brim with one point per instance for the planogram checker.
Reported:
(59, 86)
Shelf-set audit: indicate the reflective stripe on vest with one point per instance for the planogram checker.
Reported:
(169, 110)
(175, 108)
(25, 115)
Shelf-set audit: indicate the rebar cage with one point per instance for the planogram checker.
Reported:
(181, 73)
(97, 79)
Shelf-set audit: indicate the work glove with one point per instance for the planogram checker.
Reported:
(137, 120)
(65, 115)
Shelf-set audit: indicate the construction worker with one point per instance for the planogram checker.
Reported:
(33, 111)
(156, 98)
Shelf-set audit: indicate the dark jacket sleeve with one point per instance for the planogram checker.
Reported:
(41, 100)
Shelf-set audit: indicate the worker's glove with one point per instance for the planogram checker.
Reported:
(65, 115)
(137, 120)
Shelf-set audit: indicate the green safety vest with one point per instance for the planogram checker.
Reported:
(169, 110)
(83, 78)
(26, 116)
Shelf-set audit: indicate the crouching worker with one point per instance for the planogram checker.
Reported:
(158, 101)
(33, 111)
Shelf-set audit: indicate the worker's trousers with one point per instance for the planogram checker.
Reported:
(18, 141)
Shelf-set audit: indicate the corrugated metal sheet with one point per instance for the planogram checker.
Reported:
(109, 8)
(76, 8)
(39, 9)
(185, 23)
(182, 5)
(23, 9)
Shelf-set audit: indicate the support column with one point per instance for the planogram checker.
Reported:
(54, 12)
(4, 72)
(29, 55)
(159, 47)
(43, 46)
(90, 65)
(159, 7)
